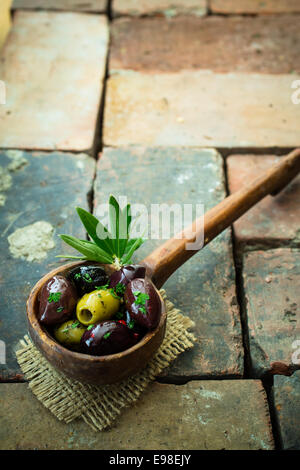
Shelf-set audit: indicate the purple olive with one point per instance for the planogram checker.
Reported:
(105, 338)
(88, 278)
(143, 303)
(58, 299)
(126, 274)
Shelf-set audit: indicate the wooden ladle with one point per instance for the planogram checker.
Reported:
(160, 264)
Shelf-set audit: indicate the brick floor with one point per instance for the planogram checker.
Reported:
(179, 81)
(274, 220)
(204, 288)
(168, 8)
(70, 5)
(53, 80)
(287, 400)
(254, 6)
(261, 44)
(39, 187)
(185, 109)
(199, 415)
(271, 303)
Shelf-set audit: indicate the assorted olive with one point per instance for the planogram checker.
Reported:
(58, 299)
(126, 274)
(142, 303)
(99, 305)
(87, 311)
(88, 278)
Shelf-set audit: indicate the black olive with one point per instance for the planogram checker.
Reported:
(126, 274)
(143, 303)
(58, 298)
(106, 338)
(87, 278)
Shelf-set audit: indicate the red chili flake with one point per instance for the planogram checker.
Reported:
(122, 321)
(136, 335)
(92, 335)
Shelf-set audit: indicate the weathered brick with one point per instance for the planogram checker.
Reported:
(274, 219)
(261, 44)
(35, 187)
(228, 414)
(272, 310)
(287, 407)
(70, 5)
(5, 21)
(204, 288)
(53, 80)
(201, 109)
(168, 8)
(255, 6)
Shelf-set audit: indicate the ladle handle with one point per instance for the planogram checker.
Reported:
(168, 257)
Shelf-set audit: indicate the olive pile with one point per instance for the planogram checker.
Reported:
(89, 312)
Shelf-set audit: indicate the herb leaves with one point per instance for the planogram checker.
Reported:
(105, 246)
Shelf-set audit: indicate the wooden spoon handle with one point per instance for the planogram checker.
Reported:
(164, 260)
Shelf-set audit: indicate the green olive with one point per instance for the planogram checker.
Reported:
(98, 305)
(69, 333)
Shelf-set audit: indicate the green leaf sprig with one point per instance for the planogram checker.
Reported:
(114, 246)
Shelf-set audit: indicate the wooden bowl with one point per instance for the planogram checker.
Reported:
(98, 370)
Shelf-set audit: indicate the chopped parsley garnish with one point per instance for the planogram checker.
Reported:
(59, 309)
(141, 301)
(107, 335)
(90, 327)
(54, 297)
(131, 324)
(105, 287)
(120, 288)
(87, 277)
(71, 327)
(77, 276)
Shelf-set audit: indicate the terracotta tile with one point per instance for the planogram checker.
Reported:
(201, 109)
(270, 278)
(274, 219)
(227, 414)
(168, 8)
(70, 5)
(260, 44)
(255, 6)
(287, 408)
(53, 65)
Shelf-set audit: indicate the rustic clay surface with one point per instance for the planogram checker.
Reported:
(287, 406)
(231, 414)
(200, 109)
(204, 288)
(255, 6)
(261, 44)
(70, 5)
(168, 8)
(272, 309)
(53, 66)
(43, 187)
(274, 219)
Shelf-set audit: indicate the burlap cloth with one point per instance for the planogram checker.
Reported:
(99, 406)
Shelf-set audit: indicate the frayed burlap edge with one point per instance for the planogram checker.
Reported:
(99, 406)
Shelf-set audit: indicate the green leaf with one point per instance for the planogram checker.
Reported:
(125, 221)
(114, 216)
(131, 242)
(89, 249)
(134, 246)
(91, 223)
(71, 257)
